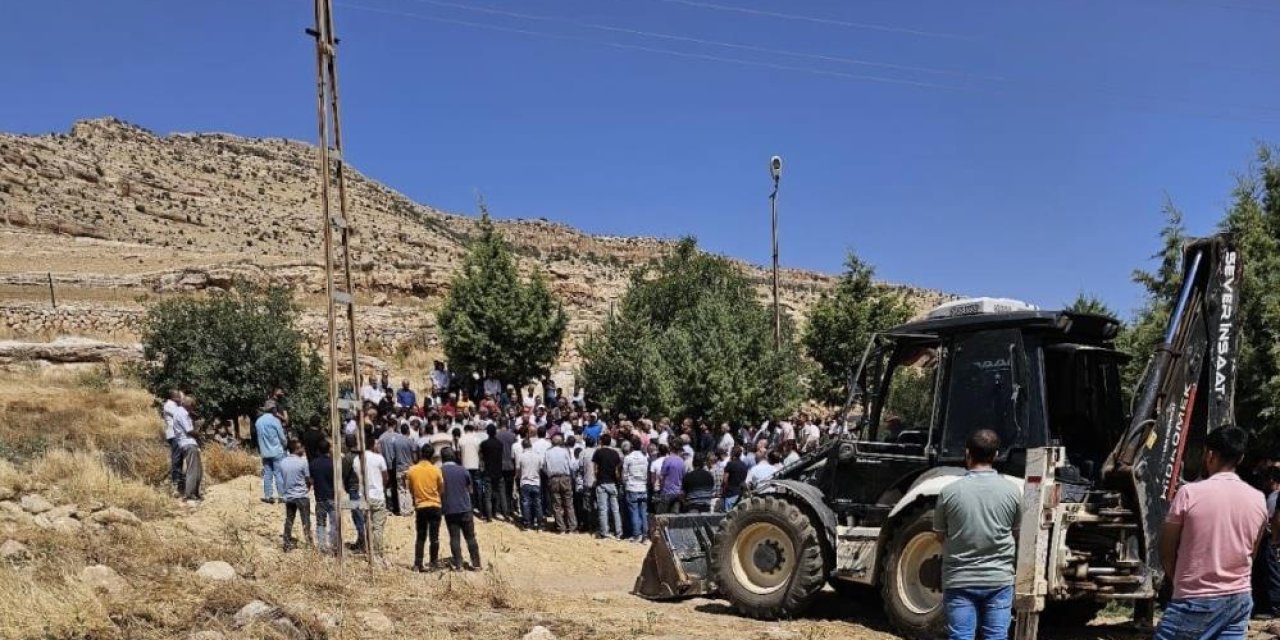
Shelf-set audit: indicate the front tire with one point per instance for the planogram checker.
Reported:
(767, 559)
(912, 582)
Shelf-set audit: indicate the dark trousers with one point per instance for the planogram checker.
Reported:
(666, 503)
(393, 495)
(175, 464)
(561, 488)
(357, 517)
(292, 508)
(509, 489)
(480, 493)
(1266, 579)
(497, 497)
(531, 505)
(427, 524)
(462, 526)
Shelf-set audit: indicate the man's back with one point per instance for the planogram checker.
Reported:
(270, 436)
(1222, 519)
(426, 483)
(977, 516)
(295, 471)
(530, 467)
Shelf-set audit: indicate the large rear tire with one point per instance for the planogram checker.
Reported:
(767, 559)
(912, 578)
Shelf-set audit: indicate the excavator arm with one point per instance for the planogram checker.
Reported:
(1188, 389)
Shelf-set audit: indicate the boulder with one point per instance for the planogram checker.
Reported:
(65, 524)
(14, 550)
(253, 611)
(35, 503)
(115, 515)
(217, 571)
(10, 507)
(288, 629)
(103, 578)
(207, 634)
(60, 512)
(7, 492)
(375, 621)
(539, 632)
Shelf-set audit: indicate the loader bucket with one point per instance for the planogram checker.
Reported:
(677, 565)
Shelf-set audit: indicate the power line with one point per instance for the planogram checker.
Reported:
(668, 52)
(715, 43)
(821, 20)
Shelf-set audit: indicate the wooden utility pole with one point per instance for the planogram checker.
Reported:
(332, 170)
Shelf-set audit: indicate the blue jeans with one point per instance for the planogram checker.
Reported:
(357, 516)
(606, 507)
(968, 608)
(531, 505)
(271, 471)
(637, 512)
(1218, 618)
(727, 503)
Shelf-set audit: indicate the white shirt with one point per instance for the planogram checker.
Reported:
(540, 445)
(529, 467)
(809, 436)
(349, 429)
(528, 401)
(492, 387)
(373, 487)
(664, 437)
(788, 431)
(182, 426)
(726, 443)
(759, 473)
(791, 457)
(167, 413)
(469, 445)
(635, 472)
(655, 468)
(370, 393)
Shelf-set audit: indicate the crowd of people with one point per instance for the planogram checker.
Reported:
(535, 457)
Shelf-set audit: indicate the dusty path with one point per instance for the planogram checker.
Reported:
(576, 584)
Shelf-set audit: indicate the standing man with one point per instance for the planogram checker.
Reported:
(426, 483)
(271, 443)
(374, 483)
(321, 469)
(976, 517)
(559, 465)
(469, 452)
(405, 398)
(169, 413)
(670, 483)
(635, 482)
(735, 474)
(507, 436)
(189, 459)
(351, 482)
(493, 457)
(296, 490)
(1267, 572)
(457, 511)
(529, 468)
(608, 470)
(1207, 545)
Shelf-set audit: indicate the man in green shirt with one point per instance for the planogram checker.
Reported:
(976, 518)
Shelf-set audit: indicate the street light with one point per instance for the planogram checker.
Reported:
(775, 171)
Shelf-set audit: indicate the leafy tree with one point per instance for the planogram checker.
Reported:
(691, 338)
(1090, 303)
(842, 322)
(494, 324)
(230, 350)
(1254, 222)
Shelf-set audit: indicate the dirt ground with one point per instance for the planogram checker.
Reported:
(575, 585)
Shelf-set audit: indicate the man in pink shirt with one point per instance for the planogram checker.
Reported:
(1207, 546)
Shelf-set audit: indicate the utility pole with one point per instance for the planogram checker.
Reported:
(775, 170)
(332, 170)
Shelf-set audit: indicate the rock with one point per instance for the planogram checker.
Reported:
(14, 550)
(35, 503)
(600, 597)
(103, 578)
(42, 521)
(375, 621)
(253, 611)
(217, 571)
(205, 635)
(379, 299)
(286, 627)
(9, 506)
(65, 524)
(7, 493)
(778, 633)
(115, 515)
(539, 632)
(60, 512)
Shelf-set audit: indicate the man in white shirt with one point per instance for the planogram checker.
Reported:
(167, 412)
(492, 387)
(763, 470)
(192, 467)
(469, 451)
(635, 483)
(374, 483)
(439, 382)
(809, 436)
(371, 392)
(725, 445)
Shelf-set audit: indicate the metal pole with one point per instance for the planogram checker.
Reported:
(777, 310)
(322, 120)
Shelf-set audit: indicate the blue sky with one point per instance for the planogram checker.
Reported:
(986, 147)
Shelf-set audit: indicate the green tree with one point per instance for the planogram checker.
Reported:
(1090, 303)
(842, 322)
(230, 350)
(690, 338)
(494, 324)
(1253, 219)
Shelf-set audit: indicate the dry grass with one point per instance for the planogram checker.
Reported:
(81, 477)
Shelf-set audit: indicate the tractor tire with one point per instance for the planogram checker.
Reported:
(767, 559)
(911, 583)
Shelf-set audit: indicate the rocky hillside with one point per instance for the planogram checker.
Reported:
(113, 214)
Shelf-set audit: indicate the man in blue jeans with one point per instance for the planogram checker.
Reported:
(271, 444)
(976, 518)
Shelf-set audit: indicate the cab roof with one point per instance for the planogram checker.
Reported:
(1083, 325)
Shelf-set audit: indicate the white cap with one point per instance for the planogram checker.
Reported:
(979, 306)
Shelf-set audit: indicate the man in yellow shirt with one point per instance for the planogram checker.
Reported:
(426, 483)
